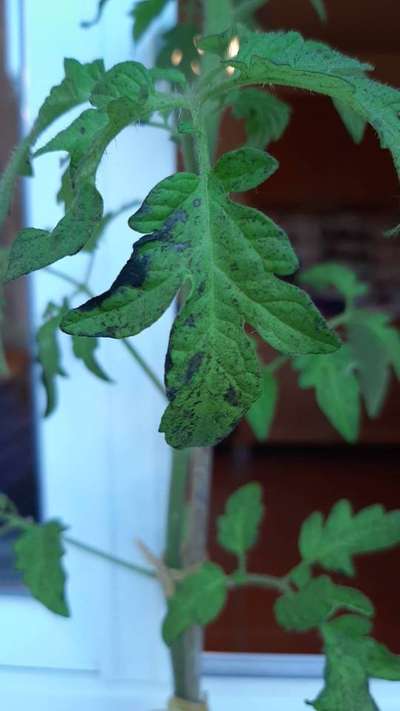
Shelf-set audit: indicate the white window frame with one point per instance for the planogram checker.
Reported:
(103, 466)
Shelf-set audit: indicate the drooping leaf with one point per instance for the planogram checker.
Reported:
(286, 59)
(77, 138)
(261, 414)
(74, 89)
(49, 357)
(33, 248)
(354, 122)
(144, 13)
(39, 551)
(266, 117)
(336, 388)
(373, 365)
(84, 349)
(333, 542)
(229, 253)
(239, 525)
(122, 96)
(197, 601)
(316, 602)
(330, 274)
(178, 49)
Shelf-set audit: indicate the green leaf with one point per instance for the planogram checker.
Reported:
(352, 658)
(144, 13)
(336, 388)
(84, 349)
(354, 122)
(244, 169)
(333, 543)
(179, 39)
(239, 525)
(38, 553)
(49, 357)
(329, 274)
(229, 254)
(320, 8)
(373, 365)
(34, 249)
(266, 117)
(261, 414)
(74, 89)
(169, 74)
(346, 676)
(198, 600)
(7, 506)
(77, 138)
(124, 94)
(128, 80)
(316, 602)
(286, 59)
(379, 326)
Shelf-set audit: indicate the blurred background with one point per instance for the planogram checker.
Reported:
(334, 199)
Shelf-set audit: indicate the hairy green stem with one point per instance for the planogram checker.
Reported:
(13, 170)
(173, 553)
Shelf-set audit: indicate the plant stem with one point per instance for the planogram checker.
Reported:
(173, 554)
(13, 170)
(15, 522)
(110, 558)
(240, 579)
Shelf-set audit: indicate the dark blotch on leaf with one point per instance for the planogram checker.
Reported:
(133, 274)
(194, 364)
(197, 202)
(231, 397)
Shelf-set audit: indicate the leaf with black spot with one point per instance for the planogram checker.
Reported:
(122, 96)
(229, 255)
